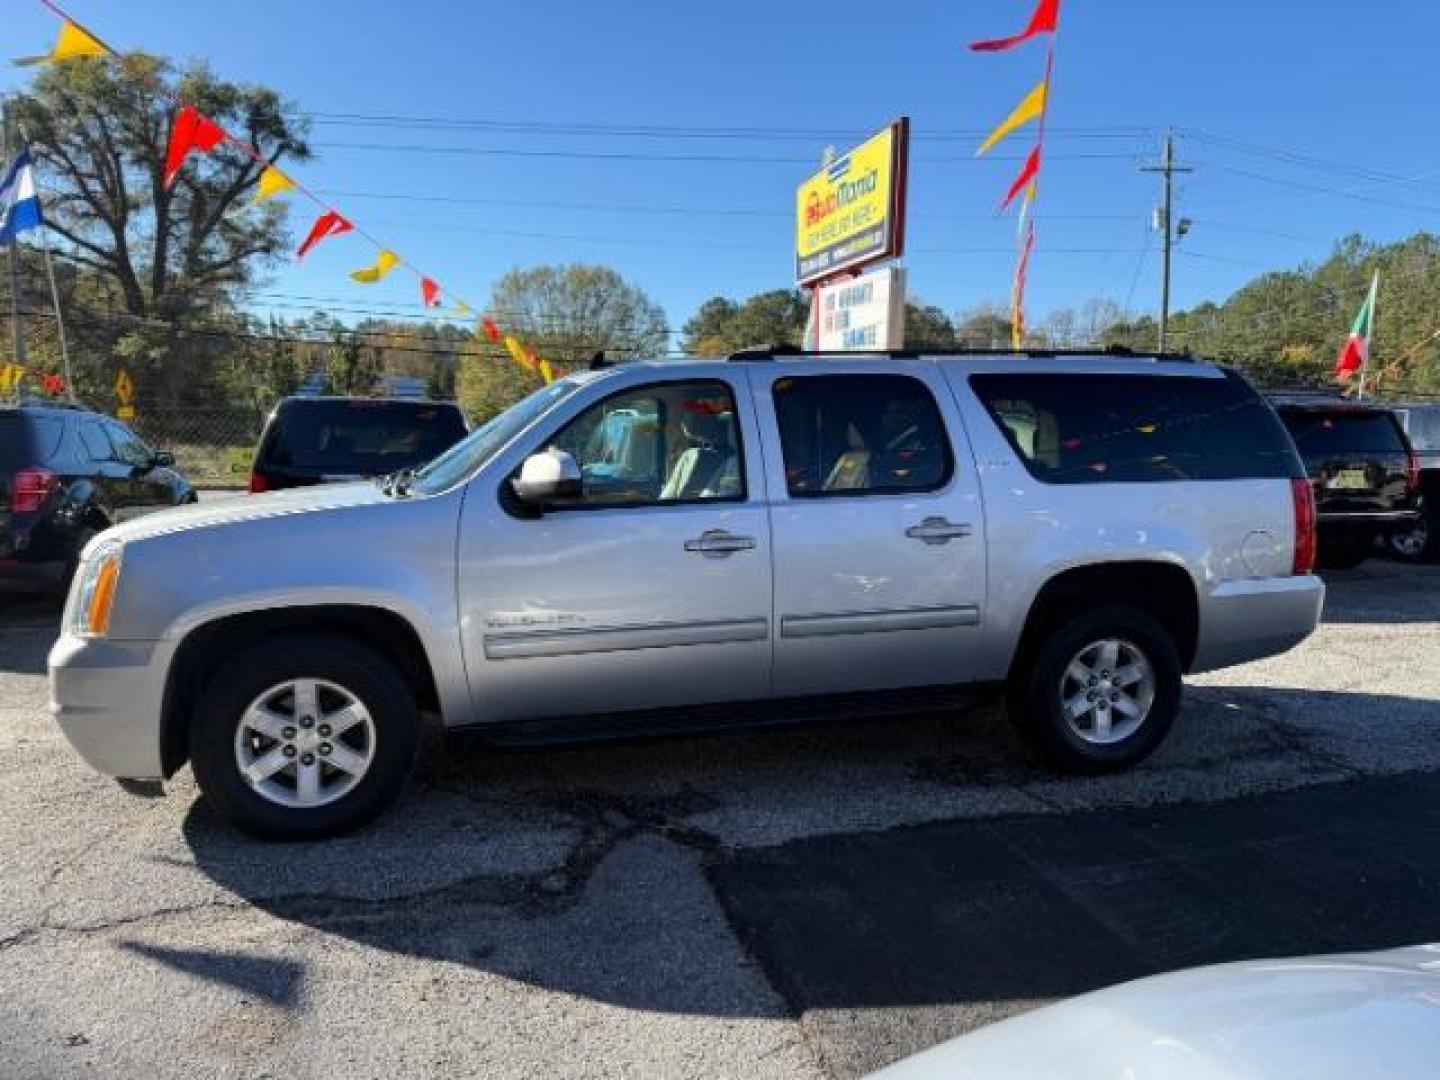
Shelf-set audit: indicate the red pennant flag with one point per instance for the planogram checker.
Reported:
(327, 224)
(190, 132)
(54, 385)
(1043, 21)
(429, 293)
(492, 331)
(1028, 172)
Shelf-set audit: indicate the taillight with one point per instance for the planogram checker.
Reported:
(1412, 473)
(1303, 496)
(30, 489)
(259, 482)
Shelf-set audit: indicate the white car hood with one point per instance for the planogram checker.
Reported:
(1372, 1014)
(224, 511)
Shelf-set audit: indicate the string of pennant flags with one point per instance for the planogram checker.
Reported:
(1044, 20)
(12, 376)
(192, 132)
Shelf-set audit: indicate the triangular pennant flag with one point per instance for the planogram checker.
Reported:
(191, 131)
(459, 311)
(546, 372)
(1024, 215)
(327, 224)
(1025, 180)
(492, 331)
(272, 182)
(72, 44)
(384, 263)
(429, 292)
(1044, 20)
(1030, 108)
(517, 352)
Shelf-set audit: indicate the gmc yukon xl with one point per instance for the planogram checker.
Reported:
(688, 543)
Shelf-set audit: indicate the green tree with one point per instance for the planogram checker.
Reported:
(99, 130)
(769, 318)
(569, 313)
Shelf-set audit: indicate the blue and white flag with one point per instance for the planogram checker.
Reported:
(19, 202)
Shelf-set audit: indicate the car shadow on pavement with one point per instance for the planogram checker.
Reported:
(22, 649)
(923, 862)
(1380, 591)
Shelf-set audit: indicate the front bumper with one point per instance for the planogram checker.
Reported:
(1242, 621)
(106, 696)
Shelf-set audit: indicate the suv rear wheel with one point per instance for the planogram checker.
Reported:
(1100, 692)
(304, 737)
(1420, 543)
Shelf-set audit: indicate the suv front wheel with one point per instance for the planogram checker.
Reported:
(304, 737)
(1099, 692)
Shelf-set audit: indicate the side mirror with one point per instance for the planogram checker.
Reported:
(546, 477)
(162, 459)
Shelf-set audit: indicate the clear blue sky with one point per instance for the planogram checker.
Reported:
(1352, 87)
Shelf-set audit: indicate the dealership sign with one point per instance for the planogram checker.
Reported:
(863, 313)
(852, 212)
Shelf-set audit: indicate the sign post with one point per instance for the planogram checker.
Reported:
(849, 215)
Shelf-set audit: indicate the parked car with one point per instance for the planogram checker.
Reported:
(317, 440)
(1421, 543)
(1362, 468)
(797, 536)
(65, 475)
(1368, 1014)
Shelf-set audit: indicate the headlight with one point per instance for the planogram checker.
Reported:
(94, 592)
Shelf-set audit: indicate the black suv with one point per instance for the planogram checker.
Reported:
(317, 440)
(66, 474)
(1361, 466)
(1422, 425)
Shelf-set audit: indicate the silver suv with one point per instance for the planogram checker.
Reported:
(695, 543)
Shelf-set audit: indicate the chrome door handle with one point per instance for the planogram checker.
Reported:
(936, 530)
(713, 542)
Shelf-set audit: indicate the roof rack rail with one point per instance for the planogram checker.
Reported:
(756, 353)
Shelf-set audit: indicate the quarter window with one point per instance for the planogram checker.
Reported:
(666, 443)
(1091, 429)
(860, 435)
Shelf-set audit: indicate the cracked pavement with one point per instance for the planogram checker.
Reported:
(572, 912)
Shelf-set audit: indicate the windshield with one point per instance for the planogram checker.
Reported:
(463, 459)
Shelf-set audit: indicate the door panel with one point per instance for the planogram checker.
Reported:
(874, 586)
(616, 607)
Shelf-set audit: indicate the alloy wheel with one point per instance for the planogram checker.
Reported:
(305, 743)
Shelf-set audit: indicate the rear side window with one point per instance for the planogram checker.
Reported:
(1320, 433)
(29, 440)
(361, 436)
(859, 435)
(97, 446)
(1091, 429)
(1423, 427)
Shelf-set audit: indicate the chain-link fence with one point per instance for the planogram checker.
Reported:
(212, 447)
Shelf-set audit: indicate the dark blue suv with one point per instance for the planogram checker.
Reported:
(66, 474)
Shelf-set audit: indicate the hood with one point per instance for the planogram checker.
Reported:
(243, 508)
(1372, 1014)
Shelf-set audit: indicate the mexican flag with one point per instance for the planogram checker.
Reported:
(1356, 351)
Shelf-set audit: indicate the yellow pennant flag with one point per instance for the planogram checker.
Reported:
(1029, 109)
(72, 44)
(518, 353)
(459, 311)
(272, 183)
(384, 263)
(546, 372)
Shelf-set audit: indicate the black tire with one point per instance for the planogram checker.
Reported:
(364, 674)
(1418, 545)
(1034, 696)
(1342, 554)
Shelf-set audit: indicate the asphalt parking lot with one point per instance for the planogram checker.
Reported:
(812, 902)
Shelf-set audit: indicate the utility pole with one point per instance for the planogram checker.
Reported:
(1167, 169)
(16, 331)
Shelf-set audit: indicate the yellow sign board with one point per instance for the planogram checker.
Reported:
(124, 389)
(853, 211)
(125, 412)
